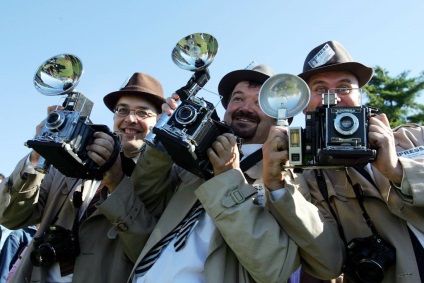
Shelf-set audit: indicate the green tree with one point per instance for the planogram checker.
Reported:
(396, 96)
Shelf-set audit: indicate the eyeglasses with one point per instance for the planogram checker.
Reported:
(339, 91)
(123, 111)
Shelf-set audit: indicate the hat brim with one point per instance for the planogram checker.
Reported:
(362, 72)
(112, 98)
(230, 80)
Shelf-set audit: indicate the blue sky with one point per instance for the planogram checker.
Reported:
(114, 39)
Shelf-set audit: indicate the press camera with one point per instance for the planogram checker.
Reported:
(194, 125)
(55, 245)
(333, 135)
(66, 133)
(368, 259)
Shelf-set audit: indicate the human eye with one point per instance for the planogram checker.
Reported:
(142, 113)
(343, 90)
(122, 110)
(320, 90)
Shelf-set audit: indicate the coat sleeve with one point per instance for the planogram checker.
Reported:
(261, 246)
(22, 197)
(152, 178)
(320, 246)
(129, 217)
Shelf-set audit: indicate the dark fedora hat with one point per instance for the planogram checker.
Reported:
(140, 85)
(332, 56)
(259, 74)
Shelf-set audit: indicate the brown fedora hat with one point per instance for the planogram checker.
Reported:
(259, 73)
(141, 85)
(332, 56)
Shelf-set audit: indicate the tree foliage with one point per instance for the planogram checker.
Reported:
(396, 96)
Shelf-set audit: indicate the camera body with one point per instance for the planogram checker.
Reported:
(333, 136)
(369, 258)
(55, 245)
(63, 140)
(189, 132)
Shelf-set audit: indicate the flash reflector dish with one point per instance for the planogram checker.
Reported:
(284, 91)
(58, 75)
(195, 52)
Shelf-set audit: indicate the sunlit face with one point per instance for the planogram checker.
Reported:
(133, 128)
(245, 116)
(324, 81)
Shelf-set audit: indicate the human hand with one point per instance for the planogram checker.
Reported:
(224, 154)
(275, 153)
(100, 151)
(171, 104)
(380, 137)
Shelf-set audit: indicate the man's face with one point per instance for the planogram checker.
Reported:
(133, 128)
(245, 116)
(324, 81)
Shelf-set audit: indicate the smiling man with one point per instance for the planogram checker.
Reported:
(110, 222)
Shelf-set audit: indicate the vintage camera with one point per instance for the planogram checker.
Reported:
(333, 136)
(63, 139)
(368, 259)
(55, 245)
(194, 126)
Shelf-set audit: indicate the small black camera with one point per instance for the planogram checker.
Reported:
(332, 136)
(55, 245)
(368, 259)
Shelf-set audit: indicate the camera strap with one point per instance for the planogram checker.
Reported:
(251, 160)
(359, 196)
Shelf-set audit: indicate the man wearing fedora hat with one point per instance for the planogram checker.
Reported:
(391, 187)
(110, 222)
(212, 230)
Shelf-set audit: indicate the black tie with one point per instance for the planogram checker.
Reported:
(419, 252)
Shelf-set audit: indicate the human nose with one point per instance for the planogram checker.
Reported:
(131, 117)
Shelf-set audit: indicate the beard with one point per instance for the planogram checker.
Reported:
(245, 129)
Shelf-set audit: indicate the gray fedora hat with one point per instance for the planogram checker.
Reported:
(332, 56)
(259, 73)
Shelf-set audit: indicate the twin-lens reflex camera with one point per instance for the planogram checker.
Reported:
(67, 132)
(194, 125)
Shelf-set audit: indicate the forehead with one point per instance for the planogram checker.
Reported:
(246, 87)
(333, 77)
(135, 102)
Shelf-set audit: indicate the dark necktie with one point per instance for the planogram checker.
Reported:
(419, 252)
(181, 232)
(67, 266)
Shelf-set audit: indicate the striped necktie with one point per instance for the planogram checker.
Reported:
(180, 233)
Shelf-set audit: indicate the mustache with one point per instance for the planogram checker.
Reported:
(247, 115)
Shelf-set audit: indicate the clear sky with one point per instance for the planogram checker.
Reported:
(114, 39)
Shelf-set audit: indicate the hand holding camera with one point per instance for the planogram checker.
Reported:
(381, 138)
(224, 154)
(275, 153)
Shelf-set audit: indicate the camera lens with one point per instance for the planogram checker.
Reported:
(186, 114)
(55, 120)
(370, 271)
(346, 123)
(45, 255)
